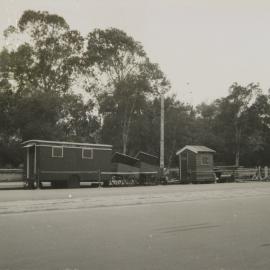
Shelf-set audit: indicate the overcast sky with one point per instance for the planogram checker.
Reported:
(202, 46)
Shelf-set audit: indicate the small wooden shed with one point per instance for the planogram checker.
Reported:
(196, 164)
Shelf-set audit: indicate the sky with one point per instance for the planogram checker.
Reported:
(202, 46)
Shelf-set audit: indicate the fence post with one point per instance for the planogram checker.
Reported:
(259, 174)
(99, 176)
(265, 173)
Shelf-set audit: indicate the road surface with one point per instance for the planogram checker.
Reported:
(219, 226)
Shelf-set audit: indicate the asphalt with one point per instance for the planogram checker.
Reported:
(221, 226)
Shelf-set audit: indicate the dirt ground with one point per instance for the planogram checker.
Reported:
(217, 226)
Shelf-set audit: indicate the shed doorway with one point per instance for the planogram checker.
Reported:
(184, 165)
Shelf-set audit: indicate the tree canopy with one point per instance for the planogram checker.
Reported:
(122, 79)
(45, 63)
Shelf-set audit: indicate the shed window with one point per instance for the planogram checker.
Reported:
(87, 153)
(57, 152)
(205, 160)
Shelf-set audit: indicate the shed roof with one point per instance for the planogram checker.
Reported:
(125, 159)
(56, 143)
(147, 158)
(196, 149)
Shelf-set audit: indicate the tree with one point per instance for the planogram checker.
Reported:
(9, 144)
(38, 72)
(233, 114)
(179, 123)
(121, 77)
(77, 121)
(208, 131)
(179, 118)
(36, 116)
(258, 129)
(48, 54)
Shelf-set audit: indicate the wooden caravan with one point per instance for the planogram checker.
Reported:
(196, 164)
(64, 163)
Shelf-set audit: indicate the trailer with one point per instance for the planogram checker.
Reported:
(124, 170)
(124, 163)
(130, 171)
(149, 168)
(64, 164)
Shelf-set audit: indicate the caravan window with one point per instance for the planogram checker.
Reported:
(57, 151)
(87, 153)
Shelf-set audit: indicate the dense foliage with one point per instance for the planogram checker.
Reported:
(45, 64)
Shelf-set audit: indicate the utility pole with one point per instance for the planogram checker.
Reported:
(162, 134)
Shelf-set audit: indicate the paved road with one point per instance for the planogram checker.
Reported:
(222, 226)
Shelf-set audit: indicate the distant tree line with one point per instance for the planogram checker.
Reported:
(56, 84)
